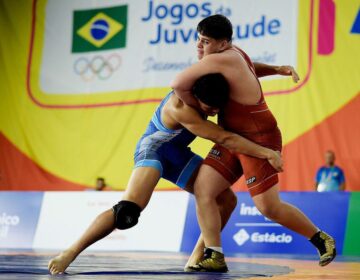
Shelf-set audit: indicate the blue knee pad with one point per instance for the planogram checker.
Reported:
(126, 213)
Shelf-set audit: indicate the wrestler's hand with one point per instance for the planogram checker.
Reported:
(274, 158)
(287, 70)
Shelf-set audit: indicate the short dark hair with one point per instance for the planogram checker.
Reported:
(217, 27)
(212, 89)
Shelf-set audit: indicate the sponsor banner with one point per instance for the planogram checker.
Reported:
(121, 45)
(19, 213)
(248, 231)
(352, 244)
(65, 216)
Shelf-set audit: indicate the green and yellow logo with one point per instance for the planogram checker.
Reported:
(99, 29)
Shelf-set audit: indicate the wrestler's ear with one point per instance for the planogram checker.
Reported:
(223, 45)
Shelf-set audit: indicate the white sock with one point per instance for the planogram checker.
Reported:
(318, 230)
(217, 249)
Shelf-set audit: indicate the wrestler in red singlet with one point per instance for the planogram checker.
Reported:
(256, 123)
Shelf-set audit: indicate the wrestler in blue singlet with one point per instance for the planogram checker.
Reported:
(167, 150)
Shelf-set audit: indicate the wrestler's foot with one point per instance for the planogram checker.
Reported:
(194, 259)
(189, 267)
(61, 262)
(213, 262)
(326, 247)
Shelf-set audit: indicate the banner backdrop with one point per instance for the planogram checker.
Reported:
(54, 220)
(81, 79)
(19, 215)
(248, 231)
(160, 226)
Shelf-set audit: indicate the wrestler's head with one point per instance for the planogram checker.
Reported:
(212, 92)
(214, 35)
(330, 158)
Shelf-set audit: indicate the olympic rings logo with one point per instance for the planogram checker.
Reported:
(98, 66)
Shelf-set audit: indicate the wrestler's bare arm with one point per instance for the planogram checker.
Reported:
(184, 81)
(262, 70)
(192, 121)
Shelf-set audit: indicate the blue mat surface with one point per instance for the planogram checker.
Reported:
(31, 267)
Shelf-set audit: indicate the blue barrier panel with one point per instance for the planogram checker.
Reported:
(249, 232)
(19, 214)
(191, 229)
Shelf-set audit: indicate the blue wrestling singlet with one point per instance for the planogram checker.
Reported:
(167, 150)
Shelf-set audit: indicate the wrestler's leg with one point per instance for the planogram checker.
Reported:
(208, 186)
(271, 206)
(226, 202)
(215, 202)
(140, 187)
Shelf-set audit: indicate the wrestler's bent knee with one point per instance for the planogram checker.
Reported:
(268, 210)
(126, 213)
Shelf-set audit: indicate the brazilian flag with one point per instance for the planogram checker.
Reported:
(99, 29)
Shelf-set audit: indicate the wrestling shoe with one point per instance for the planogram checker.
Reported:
(325, 245)
(213, 262)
